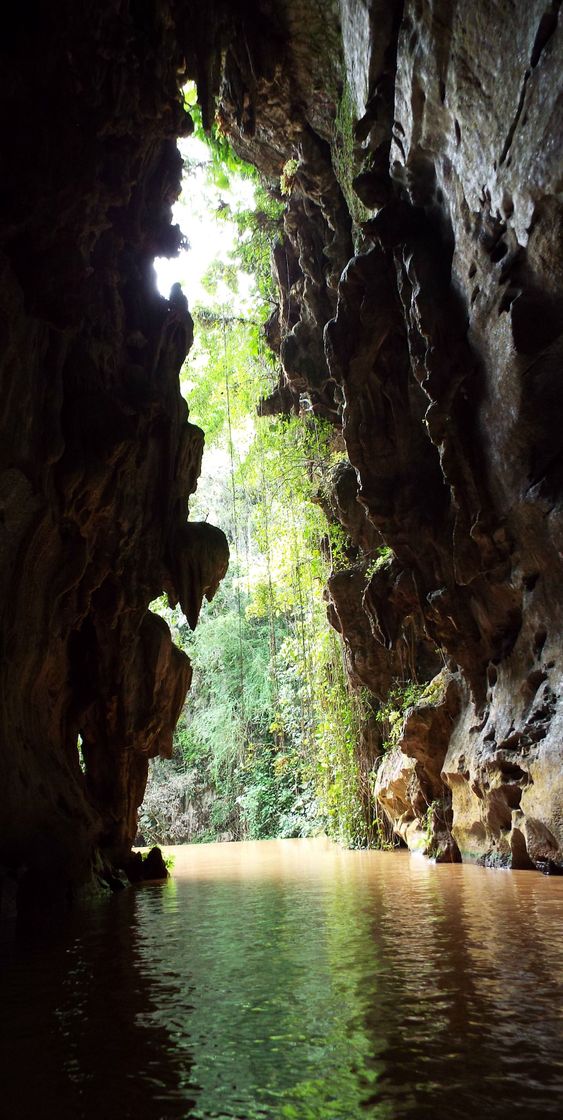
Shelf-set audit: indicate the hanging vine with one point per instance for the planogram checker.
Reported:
(270, 728)
(235, 522)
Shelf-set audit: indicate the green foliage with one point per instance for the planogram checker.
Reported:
(224, 161)
(383, 558)
(383, 836)
(258, 228)
(400, 699)
(392, 713)
(266, 744)
(429, 822)
(337, 736)
(345, 154)
(169, 860)
(339, 543)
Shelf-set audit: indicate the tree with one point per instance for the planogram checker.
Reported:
(267, 734)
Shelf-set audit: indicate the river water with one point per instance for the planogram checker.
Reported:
(292, 980)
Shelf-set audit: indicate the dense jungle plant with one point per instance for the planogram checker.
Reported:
(266, 743)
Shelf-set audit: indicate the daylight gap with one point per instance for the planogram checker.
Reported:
(266, 744)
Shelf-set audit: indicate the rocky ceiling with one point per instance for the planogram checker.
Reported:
(420, 309)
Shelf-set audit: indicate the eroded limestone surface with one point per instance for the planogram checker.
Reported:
(435, 151)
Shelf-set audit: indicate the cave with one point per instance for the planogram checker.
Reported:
(420, 312)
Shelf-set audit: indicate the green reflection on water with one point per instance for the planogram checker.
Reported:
(276, 981)
(353, 985)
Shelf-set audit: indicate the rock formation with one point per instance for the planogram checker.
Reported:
(420, 310)
(427, 136)
(98, 458)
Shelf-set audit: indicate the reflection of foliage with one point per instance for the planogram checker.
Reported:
(280, 979)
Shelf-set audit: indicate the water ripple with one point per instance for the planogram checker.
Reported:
(294, 981)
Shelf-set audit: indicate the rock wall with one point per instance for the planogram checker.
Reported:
(97, 456)
(420, 309)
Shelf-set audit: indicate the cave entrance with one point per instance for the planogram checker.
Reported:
(265, 745)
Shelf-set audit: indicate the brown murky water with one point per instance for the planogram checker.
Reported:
(290, 980)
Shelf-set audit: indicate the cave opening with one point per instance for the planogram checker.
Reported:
(266, 743)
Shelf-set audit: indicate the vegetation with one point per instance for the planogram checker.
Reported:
(267, 739)
(288, 176)
(265, 746)
(345, 154)
(384, 557)
(400, 699)
(269, 742)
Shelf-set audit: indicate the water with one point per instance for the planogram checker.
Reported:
(291, 980)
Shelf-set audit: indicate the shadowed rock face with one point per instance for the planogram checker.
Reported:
(97, 456)
(420, 310)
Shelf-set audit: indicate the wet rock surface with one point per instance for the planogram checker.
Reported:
(436, 347)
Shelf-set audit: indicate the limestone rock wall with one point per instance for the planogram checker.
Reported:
(97, 456)
(421, 310)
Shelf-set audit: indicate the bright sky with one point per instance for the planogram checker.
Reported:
(211, 238)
